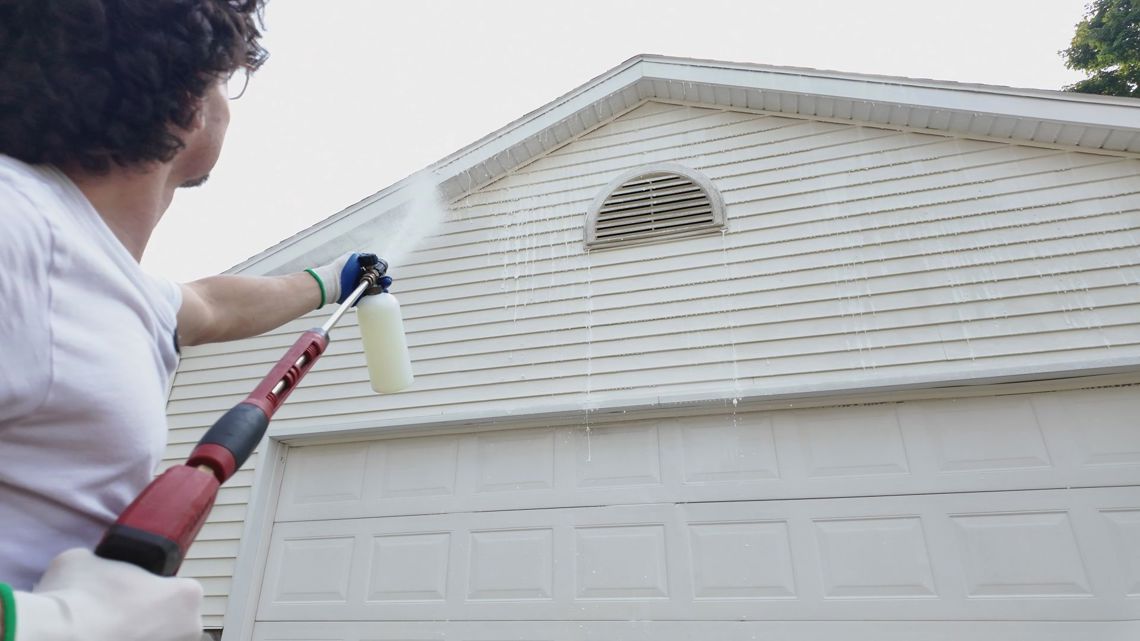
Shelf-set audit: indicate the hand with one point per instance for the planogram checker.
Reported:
(339, 278)
(82, 597)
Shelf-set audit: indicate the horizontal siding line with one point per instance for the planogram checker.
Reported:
(877, 314)
(753, 325)
(683, 120)
(574, 218)
(870, 153)
(212, 550)
(877, 181)
(205, 535)
(829, 188)
(699, 298)
(773, 256)
(971, 183)
(709, 167)
(772, 291)
(696, 286)
(924, 208)
(723, 149)
(717, 177)
(706, 165)
(869, 212)
(850, 217)
(333, 362)
(605, 175)
(578, 148)
(753, 379)
(793, 334)
(862, 334)
(202, 567)
(593, 188)
(756, 359)
(916, 164)
(1101, 162)
(906, 128)
(959, 201)
(190, 556)
(229, 348)
(550, 163)
(921, 144)
(207, 568)
(745, 277)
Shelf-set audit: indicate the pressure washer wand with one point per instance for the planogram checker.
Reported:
(157, 528)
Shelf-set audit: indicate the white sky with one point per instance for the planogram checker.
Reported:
(359, 94)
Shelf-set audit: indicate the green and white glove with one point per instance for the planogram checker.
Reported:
(82, 597)
(338, 279)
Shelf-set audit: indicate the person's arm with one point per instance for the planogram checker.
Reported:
(82, 597)
(229, 307)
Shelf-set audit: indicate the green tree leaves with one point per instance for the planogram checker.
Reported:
(1107, 44)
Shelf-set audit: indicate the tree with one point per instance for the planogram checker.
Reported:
(1107, 45)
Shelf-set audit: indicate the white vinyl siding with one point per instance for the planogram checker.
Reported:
(854, 257)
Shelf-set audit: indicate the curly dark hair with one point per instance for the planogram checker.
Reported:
(94, 82)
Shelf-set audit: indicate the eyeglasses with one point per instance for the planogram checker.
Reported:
(237, 82)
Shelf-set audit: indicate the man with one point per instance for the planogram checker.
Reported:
(106, 108)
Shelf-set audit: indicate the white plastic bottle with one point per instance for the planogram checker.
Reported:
(385, 346)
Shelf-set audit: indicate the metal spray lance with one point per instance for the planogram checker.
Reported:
(157, 528)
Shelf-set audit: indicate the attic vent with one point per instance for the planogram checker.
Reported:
(654, 203)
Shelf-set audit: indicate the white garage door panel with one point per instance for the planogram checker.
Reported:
(1052, 555)
(1030, 441)
(699, 631)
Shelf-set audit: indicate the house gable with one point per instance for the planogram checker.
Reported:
(857, 257)
(854, 257)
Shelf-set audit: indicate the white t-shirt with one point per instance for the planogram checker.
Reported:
(87, 348)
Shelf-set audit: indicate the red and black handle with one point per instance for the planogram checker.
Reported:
(156, 530)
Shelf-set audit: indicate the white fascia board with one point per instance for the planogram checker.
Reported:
(1056, 106)
(539, 120)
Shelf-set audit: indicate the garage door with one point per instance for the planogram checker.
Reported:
(1001, 517)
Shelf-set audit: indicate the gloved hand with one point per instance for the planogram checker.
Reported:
(338, 278)
(82, 597)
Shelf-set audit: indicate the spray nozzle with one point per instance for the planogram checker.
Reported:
(375, 269)
(370, 261)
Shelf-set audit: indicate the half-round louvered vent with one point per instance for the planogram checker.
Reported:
(654, 203)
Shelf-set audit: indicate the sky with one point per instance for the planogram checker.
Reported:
(359, 94)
